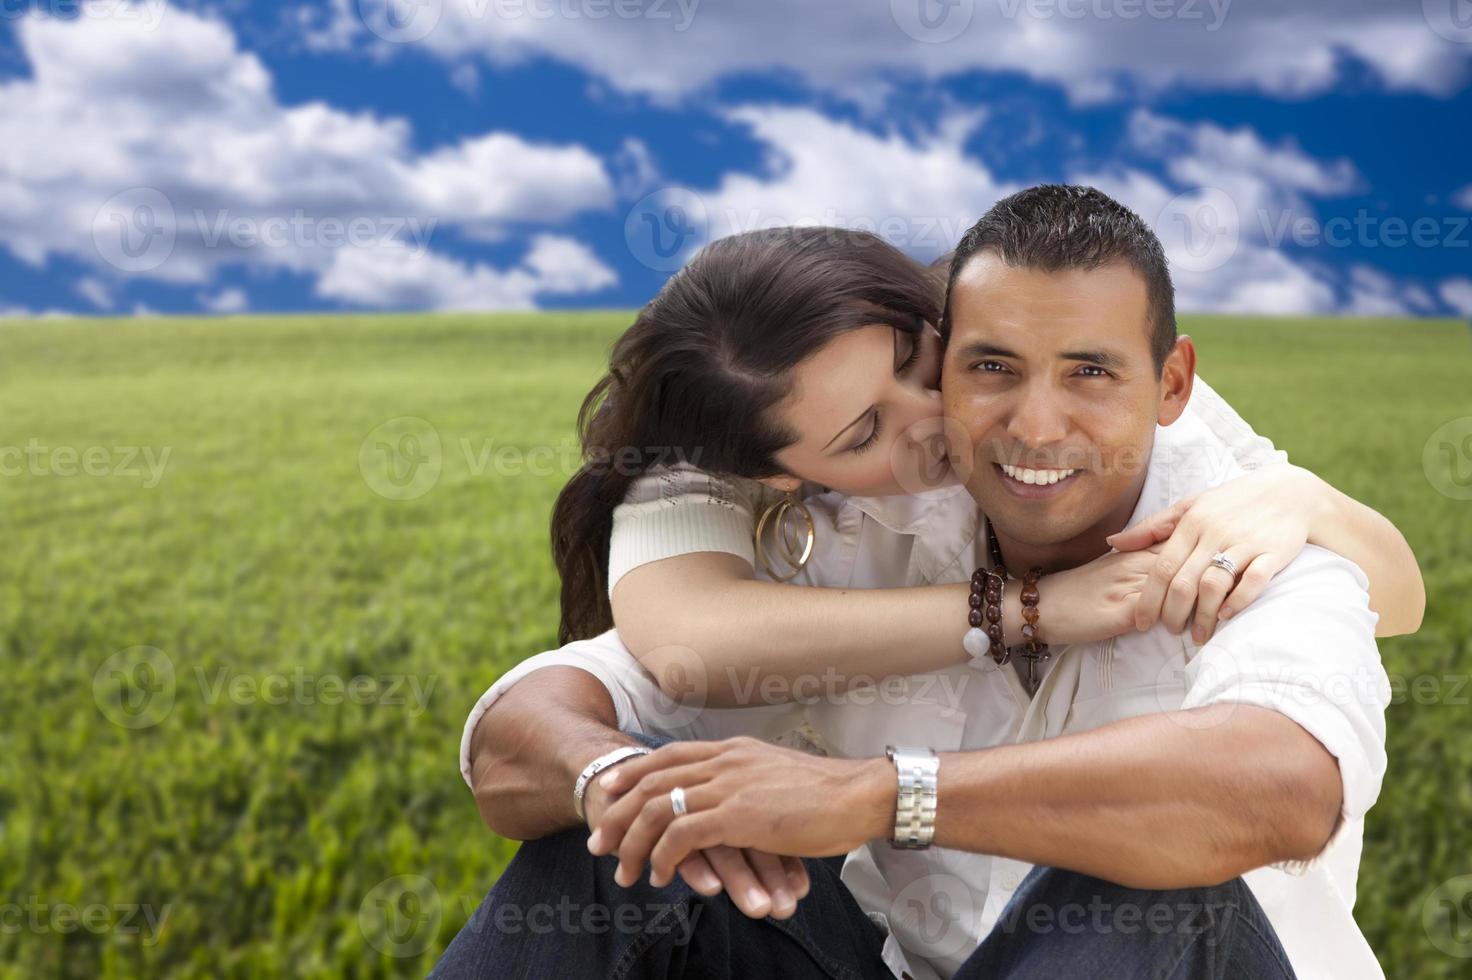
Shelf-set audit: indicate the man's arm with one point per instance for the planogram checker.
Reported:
(1182, 799)
(534, 731)
(528, 748)
(1163, 801)
(1281, 733)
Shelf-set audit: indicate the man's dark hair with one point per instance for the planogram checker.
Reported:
(1053, 227)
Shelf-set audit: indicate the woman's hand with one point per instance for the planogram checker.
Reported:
(1095, 601)
(1260, 521)
(741, 793)
(760, 884)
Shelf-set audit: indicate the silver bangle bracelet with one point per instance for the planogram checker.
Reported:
(594, 768)
(917, 768)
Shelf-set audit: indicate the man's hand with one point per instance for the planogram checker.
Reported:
(759, 883)
(740, 793)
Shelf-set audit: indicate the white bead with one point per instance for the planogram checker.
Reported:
(976, 642)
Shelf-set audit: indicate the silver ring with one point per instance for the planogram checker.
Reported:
(1220, 560)
(677, 801)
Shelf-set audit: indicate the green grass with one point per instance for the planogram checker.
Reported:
(264, 833)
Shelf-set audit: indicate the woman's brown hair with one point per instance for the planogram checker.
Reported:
(696, 376)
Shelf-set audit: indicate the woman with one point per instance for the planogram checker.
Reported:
(646, 536)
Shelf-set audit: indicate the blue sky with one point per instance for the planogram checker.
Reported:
(514, 154)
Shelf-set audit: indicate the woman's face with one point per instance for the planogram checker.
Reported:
(867, 411)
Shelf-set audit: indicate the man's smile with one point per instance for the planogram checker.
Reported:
(1036, 484)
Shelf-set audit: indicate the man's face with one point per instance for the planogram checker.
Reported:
(1051, 376)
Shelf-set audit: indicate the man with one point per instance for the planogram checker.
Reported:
(1162, 767)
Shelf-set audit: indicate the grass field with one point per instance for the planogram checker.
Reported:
(235, 674)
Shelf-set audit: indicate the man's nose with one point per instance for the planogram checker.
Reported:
(1038, 418)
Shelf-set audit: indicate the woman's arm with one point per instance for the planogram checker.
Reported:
(757, 642)
(1284, 504)
(1368, 538)
(743, 630)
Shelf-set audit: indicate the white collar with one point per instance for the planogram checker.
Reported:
(913, 513)
(1186, 458)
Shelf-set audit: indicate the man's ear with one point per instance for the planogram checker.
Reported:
(1176, 380)
(782, 482)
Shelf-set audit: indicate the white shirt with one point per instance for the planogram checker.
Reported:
(1305, 648)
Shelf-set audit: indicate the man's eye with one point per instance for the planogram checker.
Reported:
(1100, 372)
(990, 366)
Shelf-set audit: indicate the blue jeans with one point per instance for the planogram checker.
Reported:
(557, 912)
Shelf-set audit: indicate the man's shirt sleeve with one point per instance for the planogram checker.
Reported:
(638, 702)
(1306, 649)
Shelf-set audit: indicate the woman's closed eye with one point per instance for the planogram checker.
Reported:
(910, 358)
(873, 436)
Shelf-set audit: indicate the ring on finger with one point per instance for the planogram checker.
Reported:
(1220, 560)
(677, 801)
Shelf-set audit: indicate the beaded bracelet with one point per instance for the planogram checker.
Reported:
(1035, 650)
(988, 587)
(996, 587)
(985, 618)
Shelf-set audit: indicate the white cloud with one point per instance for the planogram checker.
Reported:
(1239, 161)
(466, 78)
(922, 192)
(226, 301)
(1373, 293)
(1222, 217)
(919, 194)
(25, 313)
(333, 29)
(1095, 49)
(399, 278)
(1216, 263)
(1457, 293)
(636, 171)
(215, 171)
(95, 291)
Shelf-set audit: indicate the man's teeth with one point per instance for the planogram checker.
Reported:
(1036, 477)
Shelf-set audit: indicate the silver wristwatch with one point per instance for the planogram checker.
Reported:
(914, 809)
(594, 768)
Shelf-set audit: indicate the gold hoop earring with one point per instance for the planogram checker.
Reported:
(787, 545)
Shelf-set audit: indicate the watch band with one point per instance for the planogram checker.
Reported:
(594, 768)
(914, 811)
